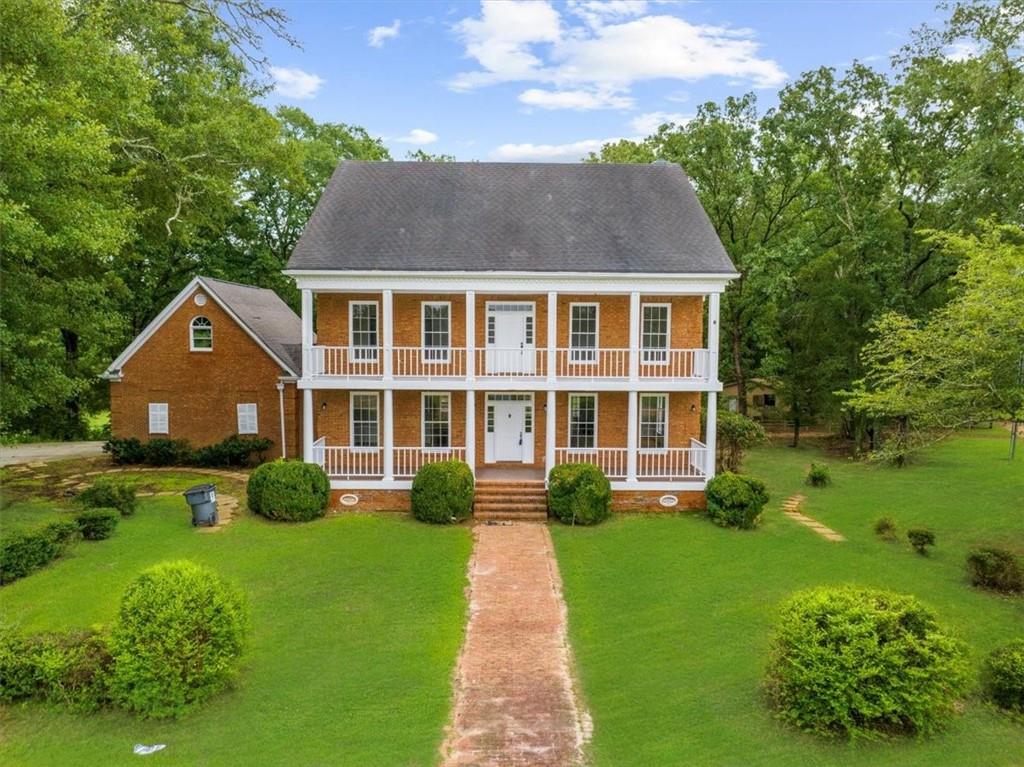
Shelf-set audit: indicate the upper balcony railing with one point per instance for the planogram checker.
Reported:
(430, 363)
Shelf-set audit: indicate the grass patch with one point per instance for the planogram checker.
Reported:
(670, 615)
(357, 621)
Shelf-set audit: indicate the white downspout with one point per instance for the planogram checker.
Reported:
(280, 403)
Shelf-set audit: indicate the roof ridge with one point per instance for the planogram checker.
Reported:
(205, 278)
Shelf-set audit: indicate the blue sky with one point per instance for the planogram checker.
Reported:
(539, 80)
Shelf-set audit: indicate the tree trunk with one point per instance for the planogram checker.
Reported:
(796, 429)
(737, 366)
(72, 407)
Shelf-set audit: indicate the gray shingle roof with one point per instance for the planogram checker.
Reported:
(543, 217)
(264, 313)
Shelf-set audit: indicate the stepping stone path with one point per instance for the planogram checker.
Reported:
(515, 703)
(791, 508)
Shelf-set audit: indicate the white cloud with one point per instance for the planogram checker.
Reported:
(378, 35)
(418, 136)
(615, 47)
(649, 122)
(294, 83)
(570, 152)
(963, 50)
(580, 100)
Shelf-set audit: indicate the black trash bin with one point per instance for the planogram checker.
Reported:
(203, 500)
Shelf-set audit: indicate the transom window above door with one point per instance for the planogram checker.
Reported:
(583, 332)
(436, 331)
(654, 341)
(363, 337)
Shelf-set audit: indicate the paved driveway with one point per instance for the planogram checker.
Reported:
(48, 451)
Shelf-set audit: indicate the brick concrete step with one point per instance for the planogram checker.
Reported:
(534, 487)
(511, 497)
(516, 506)
(523, 516)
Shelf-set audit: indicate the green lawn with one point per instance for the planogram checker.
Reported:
(357, 622)
(670, 616)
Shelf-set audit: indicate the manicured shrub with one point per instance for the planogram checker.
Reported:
(579, 494)
(289, 490)
(736, 434)
(921, 538)
(995, 569)
(1002, 676)
(442, 492)
(25, 551)
(819, 475)
(17, 672)
(233, 452)
(167, 452)
(735, 500)
(125, 451)
(97, 524)
(856, 662)
(885, 527)
(179, 633)
(110, 492)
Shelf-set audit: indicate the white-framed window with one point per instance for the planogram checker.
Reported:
(654, 332)
(158, 418)
(362, 330)
(247, 418)
(436, 419)
(200, 336)
(437, 326)
(582, 421)
(653, 421)
(583, 322)
(365, 419)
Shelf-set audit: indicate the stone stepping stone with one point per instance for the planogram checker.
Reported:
(790, 508)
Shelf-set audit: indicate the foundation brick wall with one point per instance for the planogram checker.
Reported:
(647, 500)
(202, 389)
(372, 500)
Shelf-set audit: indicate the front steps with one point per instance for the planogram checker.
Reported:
(510, 499)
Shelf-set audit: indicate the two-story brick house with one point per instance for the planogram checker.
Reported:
(514, 316)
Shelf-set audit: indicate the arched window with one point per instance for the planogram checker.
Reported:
(202, 335)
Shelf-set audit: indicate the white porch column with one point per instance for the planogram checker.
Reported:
(714, 299)
(552, 333)
(307, 425)
(632, 428)
(711, 438)
(549, 434)
(471, 430)
(470, 339)
(388, 334)
(307, 334)
(389, 435)
(634, 336)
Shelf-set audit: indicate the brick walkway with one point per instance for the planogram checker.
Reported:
(515, 702)
(791, 508)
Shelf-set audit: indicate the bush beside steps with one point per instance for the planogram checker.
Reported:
(442, 492)
(579, 494)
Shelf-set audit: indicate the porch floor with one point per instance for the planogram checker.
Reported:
(513, 473)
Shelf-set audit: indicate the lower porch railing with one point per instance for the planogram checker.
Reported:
(356, 462)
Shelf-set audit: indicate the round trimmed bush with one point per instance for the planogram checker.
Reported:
(856, 662)
(735, 500)
(292, 491)
(995, 569)
(97, 524)
(110, 493)
(1002, 676)
(442, 492)
(579, 494)
(178, 636)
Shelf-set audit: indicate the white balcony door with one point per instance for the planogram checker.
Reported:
(511, 340)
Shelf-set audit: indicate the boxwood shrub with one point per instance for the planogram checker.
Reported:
(735, 500)
(110, 492)
(819, 475)
(25, 551)
(579, 494)
(179, 633)
(442, 492)
(97, 524)
(292, 491)
(235, 451)
(855, 662)
(995, 569)
(1002, 676)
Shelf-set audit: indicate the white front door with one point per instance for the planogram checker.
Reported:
(510, 341)
(508, 430)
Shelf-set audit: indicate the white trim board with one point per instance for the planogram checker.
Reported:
(113, 371)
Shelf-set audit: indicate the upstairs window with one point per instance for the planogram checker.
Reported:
(158, 422)
(365, 420)
(654, 333)
(583, 333)
(201, 335)
(653, 421)
(436, 330)
(436, 421)
(363, 330)
(582, 421)
(247, 420)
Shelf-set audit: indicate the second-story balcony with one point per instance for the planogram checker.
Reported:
(452, 363)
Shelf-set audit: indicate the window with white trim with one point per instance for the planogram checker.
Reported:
(653, 421)
(583, 333)
(436, 420)
(583, 421)
(247, 420)
(200, 335)
(363, 330)
(158, 418)
(654, 333)
(436, 330)
(365, 420)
